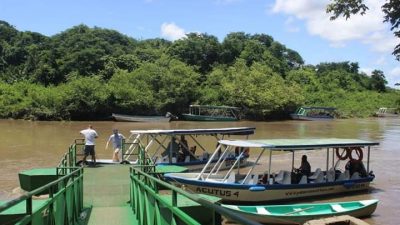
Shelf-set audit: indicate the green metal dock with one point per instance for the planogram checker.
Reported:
(110, 194)
(106, 192)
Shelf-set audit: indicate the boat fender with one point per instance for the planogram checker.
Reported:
(257, 188)
(348, 184)
(359, 153)
(340, 155)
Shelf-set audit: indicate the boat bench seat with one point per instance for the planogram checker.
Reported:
(262, 211)
(338, 208)
(315, 174)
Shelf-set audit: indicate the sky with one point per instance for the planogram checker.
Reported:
(301, 25)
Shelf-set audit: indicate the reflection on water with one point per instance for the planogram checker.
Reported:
(25, 145)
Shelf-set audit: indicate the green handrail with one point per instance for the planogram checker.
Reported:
(145, 186)
(68, 187)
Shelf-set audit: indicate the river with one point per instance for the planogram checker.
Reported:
(26, 144)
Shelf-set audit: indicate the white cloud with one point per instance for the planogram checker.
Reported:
(381, 61)
(395, 73)
(172, 32)
(383, 42)
(369, 29)
(393, 76)
(290, 26)
(367, 71)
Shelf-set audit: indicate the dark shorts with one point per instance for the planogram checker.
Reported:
(89, 150)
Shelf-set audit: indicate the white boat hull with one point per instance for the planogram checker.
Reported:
(233, 192)
(132, 118)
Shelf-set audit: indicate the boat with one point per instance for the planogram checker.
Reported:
(170, 147)
(314, 113)
(134, 118)
(266, 184)
(212, 113)
(300, 213)
(387, 112)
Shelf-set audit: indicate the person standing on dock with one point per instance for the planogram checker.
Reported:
(116, 139)
(90, 136)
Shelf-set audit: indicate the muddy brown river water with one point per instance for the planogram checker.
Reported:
(26, 145)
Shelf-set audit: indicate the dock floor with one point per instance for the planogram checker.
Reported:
(106, 192)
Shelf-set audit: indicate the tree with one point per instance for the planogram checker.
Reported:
(232, 46)
(378, 81)
(391, 9)
(200, 50)
(253, 51)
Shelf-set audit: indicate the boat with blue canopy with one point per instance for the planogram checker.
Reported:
(182, 147)
(273, 185)
(314, 113)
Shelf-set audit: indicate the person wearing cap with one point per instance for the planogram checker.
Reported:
(116, 139)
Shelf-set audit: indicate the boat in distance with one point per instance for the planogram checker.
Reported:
(211, 113)
(300, 213)
(135, 118)
(271, 185)
(387, 112)
(314, 113)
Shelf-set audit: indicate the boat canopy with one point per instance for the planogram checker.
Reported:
(319, 108)
(213, 107)
(212, 131)
(298, 144)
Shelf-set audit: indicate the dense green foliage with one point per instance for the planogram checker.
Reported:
(88, 73)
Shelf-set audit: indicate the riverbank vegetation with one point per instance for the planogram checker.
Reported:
(89, 73)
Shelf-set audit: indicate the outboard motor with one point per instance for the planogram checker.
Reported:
(170, 115)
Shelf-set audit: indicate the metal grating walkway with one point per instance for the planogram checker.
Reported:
(106, 190)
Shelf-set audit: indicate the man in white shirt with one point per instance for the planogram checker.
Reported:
(90, 136)
(116, 139)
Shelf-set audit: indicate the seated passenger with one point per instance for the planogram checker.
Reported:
(242, 151)
(356, 166)
(193, 150)
(305, 167)
(172, 147)
(183, 146)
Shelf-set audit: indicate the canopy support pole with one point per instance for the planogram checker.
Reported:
(161, 144)
(369, 148)
(252, 168)
(209, 161)
(327, 163)
(292, 160)
(269, 163)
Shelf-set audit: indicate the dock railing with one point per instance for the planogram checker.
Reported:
(62, 206)
(154, 201)
(70, 158)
